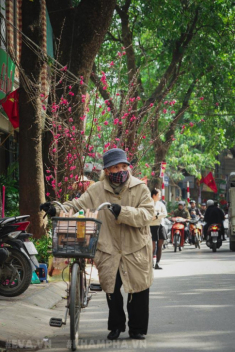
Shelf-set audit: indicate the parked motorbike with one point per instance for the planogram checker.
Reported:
(177, 232)
(195, 231)
(16, 269)
(214, 238)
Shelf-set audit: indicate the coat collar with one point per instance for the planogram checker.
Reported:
(131, 182)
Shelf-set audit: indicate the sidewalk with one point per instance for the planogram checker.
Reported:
(24, 320)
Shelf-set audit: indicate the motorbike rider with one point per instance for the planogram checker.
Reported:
(182, 212)
(203, 209)
(214, 215)
(124, 250)
(193, 208)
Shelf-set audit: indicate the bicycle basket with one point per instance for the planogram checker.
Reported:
(75, 237)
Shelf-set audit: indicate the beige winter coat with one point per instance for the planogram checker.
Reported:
(126, 243)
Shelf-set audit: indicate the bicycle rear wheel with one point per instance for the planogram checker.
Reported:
(75, 306)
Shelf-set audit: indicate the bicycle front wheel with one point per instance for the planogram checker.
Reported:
(74, 306)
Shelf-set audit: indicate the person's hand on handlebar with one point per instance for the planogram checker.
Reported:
(48, 208)
(115, 209)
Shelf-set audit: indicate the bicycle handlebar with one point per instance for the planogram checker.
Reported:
(101, 206)
(60, 205)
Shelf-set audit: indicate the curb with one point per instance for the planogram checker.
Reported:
(24, 320)
(46, 295)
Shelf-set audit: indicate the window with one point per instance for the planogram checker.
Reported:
(3, 35)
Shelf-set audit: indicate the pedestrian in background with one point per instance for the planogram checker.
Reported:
(156, 226)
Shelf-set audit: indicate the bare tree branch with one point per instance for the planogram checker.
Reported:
(96, 80)
(112, 37)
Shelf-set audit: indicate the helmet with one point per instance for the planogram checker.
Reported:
(181, 203)
(209, 202)
(192, 201)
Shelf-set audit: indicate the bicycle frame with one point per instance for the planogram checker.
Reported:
(77, 291)
(84, 287)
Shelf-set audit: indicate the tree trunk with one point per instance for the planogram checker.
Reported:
(81, 30)
(0, 203)
(79, 33)
(31, 180)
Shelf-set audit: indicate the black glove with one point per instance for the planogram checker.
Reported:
(115, 209)
(48, 208)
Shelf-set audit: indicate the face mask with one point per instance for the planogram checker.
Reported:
(118, 177)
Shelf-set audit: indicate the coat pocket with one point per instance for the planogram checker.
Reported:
(100, 258)
(141, 258)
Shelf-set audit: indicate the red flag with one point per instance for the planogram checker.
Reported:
(210, 182)
(10, 105)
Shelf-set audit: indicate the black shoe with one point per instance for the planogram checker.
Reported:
(114, 334)
(157, 266)
(137, 336)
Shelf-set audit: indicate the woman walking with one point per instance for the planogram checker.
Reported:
(157, 229)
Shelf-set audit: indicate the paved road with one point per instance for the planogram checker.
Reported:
(191, 308)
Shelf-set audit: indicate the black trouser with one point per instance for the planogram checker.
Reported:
(137, 307)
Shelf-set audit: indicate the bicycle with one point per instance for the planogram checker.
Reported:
(65, 244)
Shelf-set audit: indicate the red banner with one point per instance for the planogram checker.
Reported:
(10, 105)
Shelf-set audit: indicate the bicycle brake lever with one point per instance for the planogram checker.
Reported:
(110, 207)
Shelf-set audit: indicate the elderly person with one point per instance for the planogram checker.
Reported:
(124, 250)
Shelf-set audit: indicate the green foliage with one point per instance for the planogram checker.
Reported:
(12, 192)
(43, 245)
(208, 61)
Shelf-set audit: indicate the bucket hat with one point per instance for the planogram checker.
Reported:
(113, 157)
